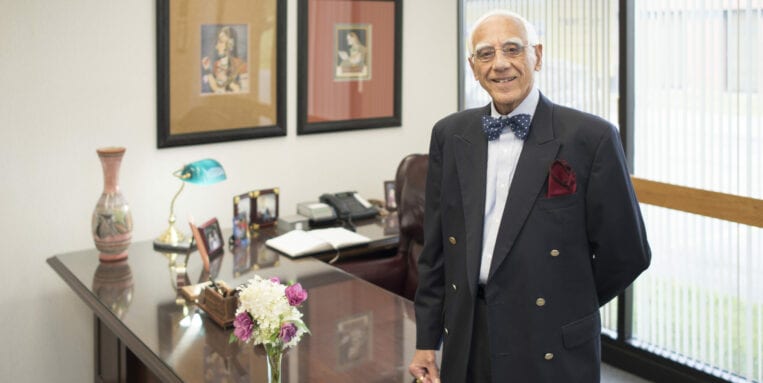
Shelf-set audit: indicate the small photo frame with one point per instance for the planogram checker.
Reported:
(264, 208)
(389, 196)
(212, 237)
(209, 241)
(242, 209)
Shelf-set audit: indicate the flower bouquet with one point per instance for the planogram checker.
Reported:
(268, 314)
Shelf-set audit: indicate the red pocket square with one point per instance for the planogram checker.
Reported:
(561, 179)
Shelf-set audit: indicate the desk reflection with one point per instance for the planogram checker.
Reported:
(357, 332)
(113, 285)
(360, 333)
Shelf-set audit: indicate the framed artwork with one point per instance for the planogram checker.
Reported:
(264, 208)
(349, 59)
(220, 70)
(389, 196)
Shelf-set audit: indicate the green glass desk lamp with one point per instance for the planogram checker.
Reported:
(203, 172)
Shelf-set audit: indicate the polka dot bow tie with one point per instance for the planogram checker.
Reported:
(519, 124)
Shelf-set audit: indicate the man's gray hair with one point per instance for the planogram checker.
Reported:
(532, 33)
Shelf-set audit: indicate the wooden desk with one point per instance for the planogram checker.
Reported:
(145, 331)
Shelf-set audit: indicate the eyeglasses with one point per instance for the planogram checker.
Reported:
(512, 50)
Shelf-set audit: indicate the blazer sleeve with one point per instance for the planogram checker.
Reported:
(429, 294)
(614, 224)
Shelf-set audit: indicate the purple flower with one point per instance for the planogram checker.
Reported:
(288, 331)
(275, 280)
(243, 326)
(296, 294)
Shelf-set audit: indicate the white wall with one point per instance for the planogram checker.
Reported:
(80, 74)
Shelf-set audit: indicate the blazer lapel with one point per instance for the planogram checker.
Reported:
(532, 170)
(471, 163)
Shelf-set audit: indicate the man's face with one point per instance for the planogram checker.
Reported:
(508, 80)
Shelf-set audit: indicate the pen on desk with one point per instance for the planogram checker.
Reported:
(215, 286)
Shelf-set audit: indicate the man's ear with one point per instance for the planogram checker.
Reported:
(471, 65)
(538, 57)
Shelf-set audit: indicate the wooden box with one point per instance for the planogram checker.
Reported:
(220, 307)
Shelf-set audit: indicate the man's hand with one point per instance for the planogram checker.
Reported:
(423, 367)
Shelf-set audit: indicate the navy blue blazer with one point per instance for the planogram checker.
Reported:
(556, 260)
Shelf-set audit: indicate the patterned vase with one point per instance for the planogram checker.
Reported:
(112, 220)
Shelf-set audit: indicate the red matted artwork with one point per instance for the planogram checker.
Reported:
(349, 65)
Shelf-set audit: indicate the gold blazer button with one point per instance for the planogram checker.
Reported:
(452, 240)
(540, 302)
(555, 253)
(548, 356)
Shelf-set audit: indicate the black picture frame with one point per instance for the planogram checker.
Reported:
(264, 210)
(187, 112)
(331, 99)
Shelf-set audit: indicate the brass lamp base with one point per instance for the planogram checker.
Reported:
(171, 235)
(173, 240)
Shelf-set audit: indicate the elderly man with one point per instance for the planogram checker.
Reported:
(531, 225)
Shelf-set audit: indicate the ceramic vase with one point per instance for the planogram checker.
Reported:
(112, 220)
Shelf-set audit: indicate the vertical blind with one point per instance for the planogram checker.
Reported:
(698, 112)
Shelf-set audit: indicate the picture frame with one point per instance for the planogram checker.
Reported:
(242, 209)
(209, 241)
(349, 65)
(264, 211)
(212, 238)
(221, 71)
(390, 203)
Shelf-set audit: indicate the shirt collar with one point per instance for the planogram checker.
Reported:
(527, 106)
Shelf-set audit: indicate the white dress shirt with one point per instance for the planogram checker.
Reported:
(502, 158)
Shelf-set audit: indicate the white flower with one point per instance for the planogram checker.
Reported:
(266, 302)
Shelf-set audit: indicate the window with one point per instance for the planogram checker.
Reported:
(698, 123)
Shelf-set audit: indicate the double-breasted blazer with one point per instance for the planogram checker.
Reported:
(556, 260)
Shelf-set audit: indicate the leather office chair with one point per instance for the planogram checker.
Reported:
(399, 273)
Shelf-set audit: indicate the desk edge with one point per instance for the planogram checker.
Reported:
(151, 360)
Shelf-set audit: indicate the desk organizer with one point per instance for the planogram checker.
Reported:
(220, 304)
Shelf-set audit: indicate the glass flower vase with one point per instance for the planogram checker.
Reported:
(112, 219)
(274, 356)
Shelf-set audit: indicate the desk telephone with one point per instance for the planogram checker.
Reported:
(349, 205)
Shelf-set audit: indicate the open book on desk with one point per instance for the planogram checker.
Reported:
(297, 243)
